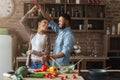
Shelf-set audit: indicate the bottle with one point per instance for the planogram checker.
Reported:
(57, 1)
(118, 29)
(77, 1)
(113, 29)
(80, 26)
(108, 31)
(53, 12)
(72, 12)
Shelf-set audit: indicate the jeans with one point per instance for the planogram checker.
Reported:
(36, 65)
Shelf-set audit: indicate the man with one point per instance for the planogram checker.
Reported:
(64, 41)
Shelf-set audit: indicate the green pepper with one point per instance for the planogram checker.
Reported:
(37, 75)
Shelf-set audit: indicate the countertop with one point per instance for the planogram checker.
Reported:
(56, 78)
(113, 75)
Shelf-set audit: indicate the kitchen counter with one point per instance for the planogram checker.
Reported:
(113, 75)
(73, 59)
(56, 78)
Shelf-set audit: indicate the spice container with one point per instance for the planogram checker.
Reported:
(80, 27)
(113, 29)
(118, 29)
(77, 1)
(57, 1)
(108, 31)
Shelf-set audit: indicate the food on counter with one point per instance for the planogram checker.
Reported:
(37, 70)
(52, 75)
(44, 67)
(66, 69)
(66, 76)
(61, 78)
(22, 71)
(37, 75)
(55, 74)
(52, 69)
(47, 75)
(74, 76)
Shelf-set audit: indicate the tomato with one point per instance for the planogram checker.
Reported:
(47, 75)
(61, 78)
(50, 76)
(66, 77)
(74, 76)
(55, 74)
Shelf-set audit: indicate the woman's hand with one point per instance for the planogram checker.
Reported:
(34, 8)
(29, 52)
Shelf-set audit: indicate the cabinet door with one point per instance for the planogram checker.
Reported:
(77, 13)
(55, 10)
(96, 11)
(76, 10)
(95, 25)
(114, 44)
(96, 17)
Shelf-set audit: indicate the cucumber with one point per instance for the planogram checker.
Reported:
(37, 75)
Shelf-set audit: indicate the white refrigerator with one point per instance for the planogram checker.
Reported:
(5, 54)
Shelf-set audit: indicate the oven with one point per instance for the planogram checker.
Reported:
(114, 60)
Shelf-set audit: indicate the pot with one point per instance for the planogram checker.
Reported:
(98, 73)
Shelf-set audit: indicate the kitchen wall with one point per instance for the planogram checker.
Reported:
(12, 22)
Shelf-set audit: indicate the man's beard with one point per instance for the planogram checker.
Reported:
(63, 27)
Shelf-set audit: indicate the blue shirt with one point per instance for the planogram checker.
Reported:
(64, 43)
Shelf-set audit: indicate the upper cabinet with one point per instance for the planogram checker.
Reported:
(85, 17)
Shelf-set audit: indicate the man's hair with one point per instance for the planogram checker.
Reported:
(66, 16)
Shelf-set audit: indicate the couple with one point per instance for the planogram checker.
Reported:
(39, 51)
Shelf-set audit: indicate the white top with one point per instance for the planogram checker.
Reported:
(37, 43)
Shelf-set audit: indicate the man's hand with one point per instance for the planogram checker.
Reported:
(45, 58)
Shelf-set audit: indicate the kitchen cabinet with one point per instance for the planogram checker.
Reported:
(85, 17)
(113, 51)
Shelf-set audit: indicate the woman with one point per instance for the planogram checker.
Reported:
(39, 43)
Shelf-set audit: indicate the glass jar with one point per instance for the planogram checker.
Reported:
(77, 1)
(108, 31)
(113, 29)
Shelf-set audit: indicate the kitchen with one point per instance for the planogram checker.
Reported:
(86, 38)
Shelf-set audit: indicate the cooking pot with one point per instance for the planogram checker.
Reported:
(98, 74)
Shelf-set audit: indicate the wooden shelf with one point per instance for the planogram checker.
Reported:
(81, 14)
(114, 51)
(98, 31)
(91, 18)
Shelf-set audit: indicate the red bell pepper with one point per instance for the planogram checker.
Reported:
(37, 70)
(44, 67)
